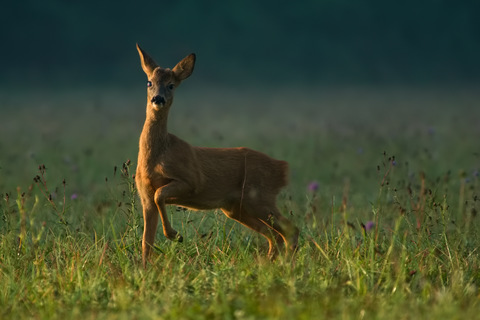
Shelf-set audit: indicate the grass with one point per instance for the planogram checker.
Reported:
(389, 228)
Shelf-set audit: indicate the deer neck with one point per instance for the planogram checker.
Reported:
(154, 137)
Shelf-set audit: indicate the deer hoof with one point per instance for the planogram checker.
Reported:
(179, 238)
(175, 236)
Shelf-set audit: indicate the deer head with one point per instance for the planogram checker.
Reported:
(162, 82)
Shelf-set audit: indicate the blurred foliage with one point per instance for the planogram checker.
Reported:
(341, 41)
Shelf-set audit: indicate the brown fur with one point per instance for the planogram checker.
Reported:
(244, 183)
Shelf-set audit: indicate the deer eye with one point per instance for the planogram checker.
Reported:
(171, 86)
(149, 84)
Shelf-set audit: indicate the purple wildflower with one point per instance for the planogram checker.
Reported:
(74, 196)
(313, 186)
(369, 225)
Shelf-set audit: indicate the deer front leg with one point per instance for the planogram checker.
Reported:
(174, 189)
(150, 221)
(168, 231)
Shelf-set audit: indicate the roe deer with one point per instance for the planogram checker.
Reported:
(243, 183)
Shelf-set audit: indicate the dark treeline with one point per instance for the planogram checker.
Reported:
(329, 41)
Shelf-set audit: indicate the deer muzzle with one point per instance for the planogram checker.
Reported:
(158, 100)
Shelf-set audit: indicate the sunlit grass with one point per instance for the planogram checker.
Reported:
(387, 202)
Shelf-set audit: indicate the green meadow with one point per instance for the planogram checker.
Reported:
(384, 185)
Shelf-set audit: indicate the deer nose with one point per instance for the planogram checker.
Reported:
(158, 100)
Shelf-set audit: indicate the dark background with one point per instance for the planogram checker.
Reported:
(75, 43)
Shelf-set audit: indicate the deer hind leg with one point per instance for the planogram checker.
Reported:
(288, 231)
(245, 217)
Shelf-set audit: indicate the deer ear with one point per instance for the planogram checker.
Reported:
(184, 68)
(148, 64)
